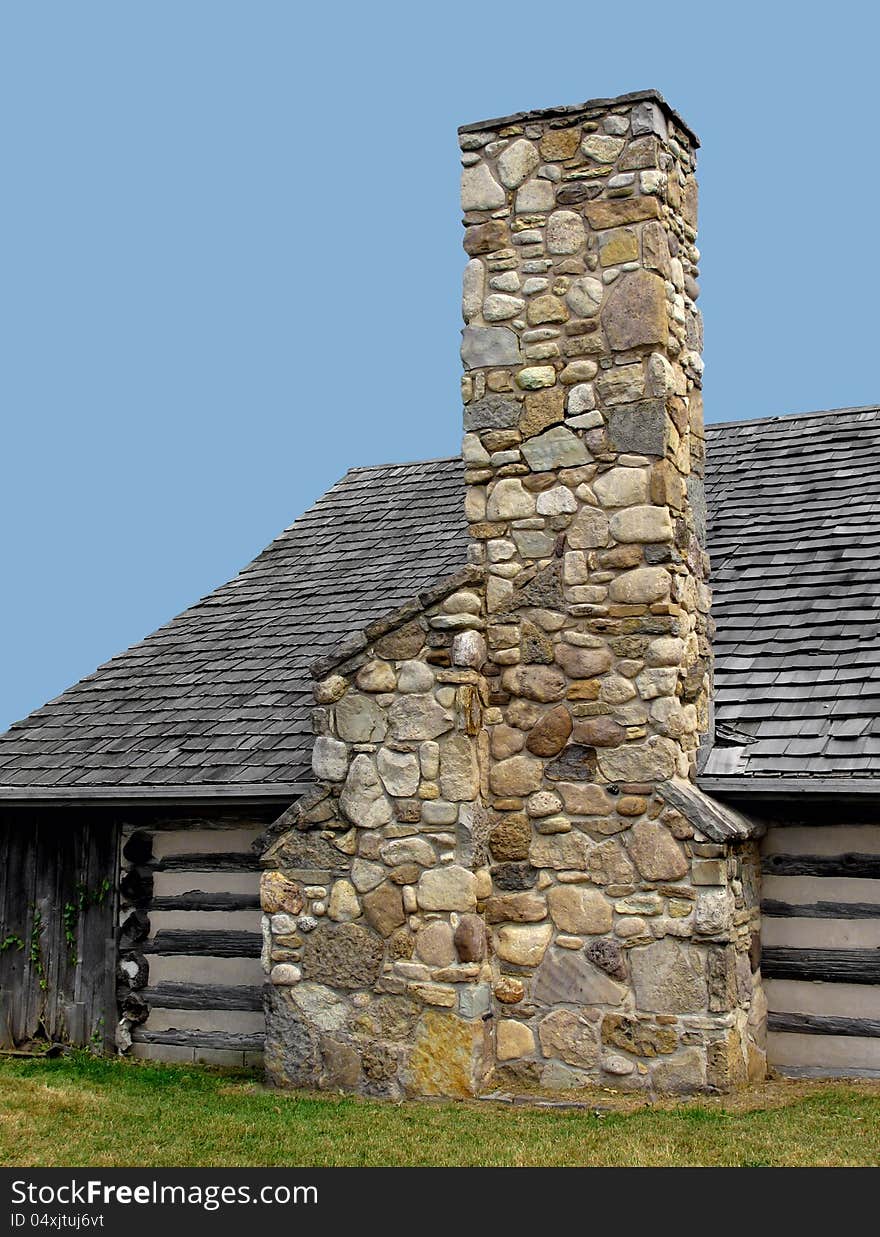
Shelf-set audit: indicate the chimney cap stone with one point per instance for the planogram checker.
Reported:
(576, 110)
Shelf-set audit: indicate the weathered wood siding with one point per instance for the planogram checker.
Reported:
(57, 926)
(821, 948)
(190, 925)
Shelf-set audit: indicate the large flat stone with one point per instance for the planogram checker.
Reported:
(568, 977)
(669, 977)
(483, 346)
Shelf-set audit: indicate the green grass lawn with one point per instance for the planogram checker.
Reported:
(85, 1111)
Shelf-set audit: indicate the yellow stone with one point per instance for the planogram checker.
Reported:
(619, 246)
(542, 409)
(559, 144)
(513, 1039)
(546, 309)
(447, 1056)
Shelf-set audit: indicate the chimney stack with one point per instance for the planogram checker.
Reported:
(584, 453)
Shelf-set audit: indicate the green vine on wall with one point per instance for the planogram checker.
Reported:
(11, 942)
(72, 910)
(36, 953)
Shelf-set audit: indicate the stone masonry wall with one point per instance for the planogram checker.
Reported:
(505, 877)
(618, 930)
(378, 962)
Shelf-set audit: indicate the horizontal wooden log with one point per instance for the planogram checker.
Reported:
(820, 910)
(848, 864)
(207, 943)
(229, 861)
(815, 1024)
(830, 966)
(199, 901)
(201, 1039)
(203, 996)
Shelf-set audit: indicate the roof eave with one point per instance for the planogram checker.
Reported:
(782, 787)
(133, 796)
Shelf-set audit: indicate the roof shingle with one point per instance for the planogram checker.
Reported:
(220, 697)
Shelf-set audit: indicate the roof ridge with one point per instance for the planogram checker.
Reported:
(438, 459)
(791, 416)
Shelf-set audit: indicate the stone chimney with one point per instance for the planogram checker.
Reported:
(505, 875)
(584, 456)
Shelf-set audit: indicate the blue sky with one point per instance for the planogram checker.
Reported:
(231, 261)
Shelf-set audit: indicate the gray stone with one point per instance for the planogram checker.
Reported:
(409, 850)
(419, 717)
(366, 875)
(642, 523)
(474, 1000)
(480, 190)
(563, 851)
(557, 501)
(640, 428)
(582, 399)
(437, 812)
(584, 297)
(359, 719)
(291, 1052)
(557, 448)
(669, 977)
(568, 1035)
(517, 162)
(509, 500)
(651, 761)
(682, 1073)
(579, 909)
(601, 148)
(344, 904)
(607, 955)
(714, 912)
(588, 530)
(347, 955)
(320, 1006)
(414, 676)
(565, 232)
(329, 759)
(655, 852)
(567, 977)
(647, 117)
(577, 763)
(499, 307)
(535, 197)
(459, 774)
(558, 1077)
(363, 800)
(488, 345)
(434, 943)
(447, 889)
(399, 771)
(473, 286)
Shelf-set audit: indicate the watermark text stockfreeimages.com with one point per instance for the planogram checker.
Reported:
(95, 1193)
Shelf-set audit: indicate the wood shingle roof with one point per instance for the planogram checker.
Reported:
(218, 700)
